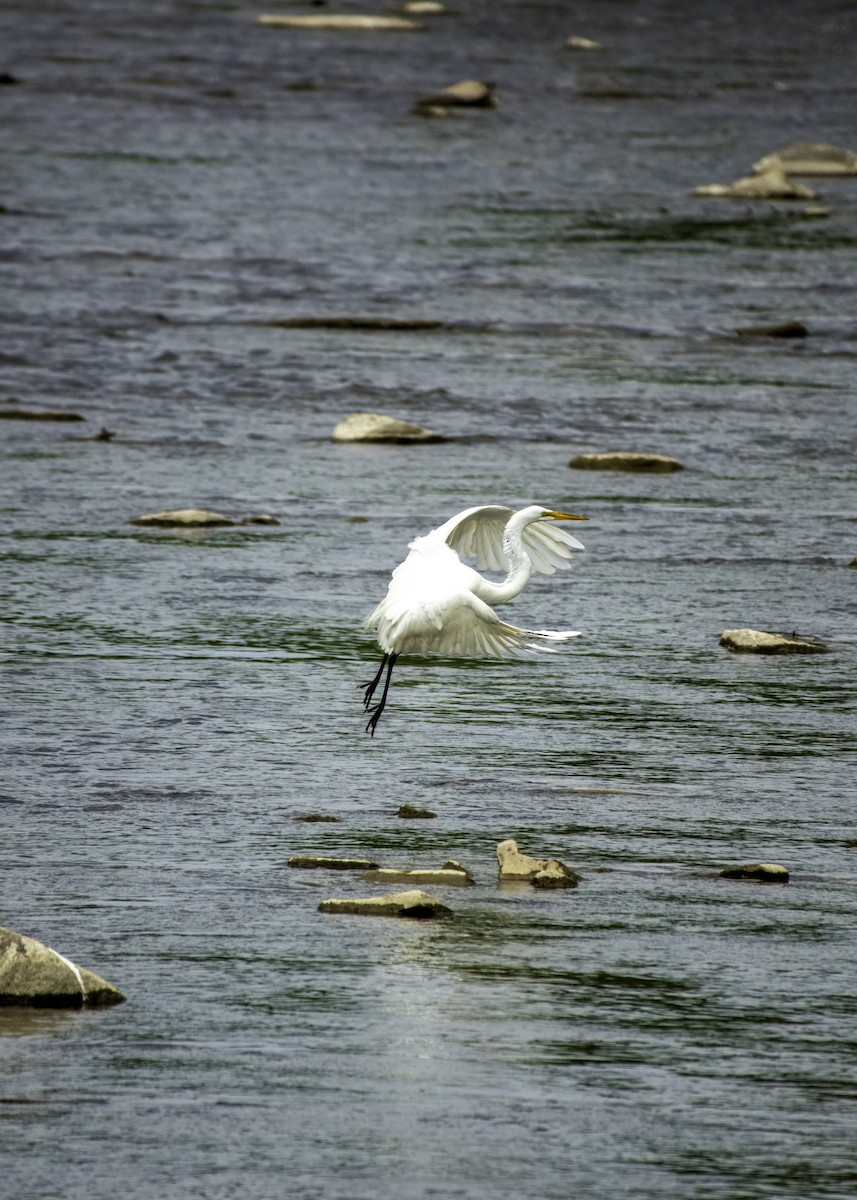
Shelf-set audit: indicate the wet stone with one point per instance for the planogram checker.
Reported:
(314, 862)
(630, 460)
(444, 877)
(183, 517)
(514, 864)
(810, 158)
(411, 813)
(377, 427)
(414, 904)
(759, 872)
(760, 641)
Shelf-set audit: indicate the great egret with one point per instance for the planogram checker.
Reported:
(436, 604)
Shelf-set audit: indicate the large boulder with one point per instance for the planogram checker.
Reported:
(541, 872)
(626, 460)
(376, 427)
(810, 158)
(34, 974)
(770, 184)
(760, 641)
(415, 904)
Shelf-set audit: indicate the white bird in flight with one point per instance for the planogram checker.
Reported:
(437, 604)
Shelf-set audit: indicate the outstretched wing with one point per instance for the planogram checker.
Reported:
(477, 533)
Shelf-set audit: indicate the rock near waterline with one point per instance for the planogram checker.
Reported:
(414, 904)
(33, 974)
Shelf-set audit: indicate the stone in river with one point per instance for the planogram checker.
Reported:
(760, 641)
(583, 43)
(314, 861)
(377, 427)
(33, 974)
(415, 904)
(411, 813)
(337, 21)
(442, 877)
(785, 329)
(810, 158)
(516, 865)
(183, 517)
(760, 872)
(770, 184)
(467, 93)
(630, 460)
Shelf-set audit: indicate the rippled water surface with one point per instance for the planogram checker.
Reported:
(191, 204)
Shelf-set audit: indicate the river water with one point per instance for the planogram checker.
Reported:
(191, 203)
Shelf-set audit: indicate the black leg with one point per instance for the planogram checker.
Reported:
(379, 707)
(369, 688)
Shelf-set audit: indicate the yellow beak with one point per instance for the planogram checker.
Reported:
(558, 516)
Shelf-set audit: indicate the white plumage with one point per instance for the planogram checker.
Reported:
(437, 604)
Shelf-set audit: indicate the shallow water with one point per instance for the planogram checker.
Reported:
(184, 195)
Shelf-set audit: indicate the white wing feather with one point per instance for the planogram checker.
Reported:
(477, 533)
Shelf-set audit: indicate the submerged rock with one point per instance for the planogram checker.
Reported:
(411, 813)
(516, 865)
(344, 21)
(760, 641)
(785, 329)
(415, 904)
(377, 427)
(318, 818)
(38, 414)
(760, 872)
(770, 184)
(630, 460)
(810, 158)
(447, 876)
(33, 974)
(312, 861)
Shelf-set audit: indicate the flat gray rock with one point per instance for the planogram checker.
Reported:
(415, 904)
(760, 641)
(443, 877)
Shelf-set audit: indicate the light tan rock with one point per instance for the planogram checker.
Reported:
(810, 158)
(626, 460)
(467, 93)
(583, 43)
(440, 878)
(377, 427)
(34, 974)
(414, 904)
(423, 8)
(761, 872)
(760, 641)
(770, 184)
(337, 21)
(311, 862)
(516, 865)
(184, 517)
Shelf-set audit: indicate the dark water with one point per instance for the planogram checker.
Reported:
(177, 183)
